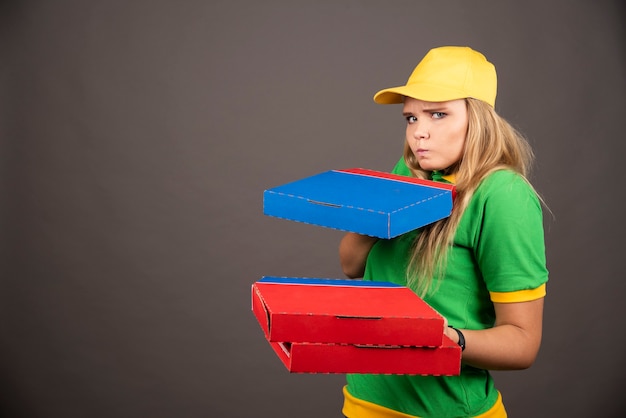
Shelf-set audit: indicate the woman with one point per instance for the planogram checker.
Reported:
(483, 268)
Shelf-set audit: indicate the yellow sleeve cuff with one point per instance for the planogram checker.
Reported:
(519, 295)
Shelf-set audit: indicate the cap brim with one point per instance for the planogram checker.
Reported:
(389, 96)
(424, 92)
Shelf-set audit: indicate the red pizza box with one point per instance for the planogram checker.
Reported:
(365, 201)
(350, 358)
(315, 310)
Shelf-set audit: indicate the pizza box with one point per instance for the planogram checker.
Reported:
(444, 360)
(368, 202)
(316, 310)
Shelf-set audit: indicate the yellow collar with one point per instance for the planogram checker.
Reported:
(450, 177)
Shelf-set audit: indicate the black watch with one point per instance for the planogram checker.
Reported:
(461, 337)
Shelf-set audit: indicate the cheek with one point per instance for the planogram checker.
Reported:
(459, 136)
(457, 144)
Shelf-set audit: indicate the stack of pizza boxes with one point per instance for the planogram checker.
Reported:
(322, 325)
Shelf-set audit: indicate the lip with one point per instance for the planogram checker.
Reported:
(421, 151)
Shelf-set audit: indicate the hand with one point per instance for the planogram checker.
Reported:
(353, 251)
(450, 333)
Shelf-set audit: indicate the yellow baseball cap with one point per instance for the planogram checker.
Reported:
(447, 73)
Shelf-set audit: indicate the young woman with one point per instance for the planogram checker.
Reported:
(483, 268)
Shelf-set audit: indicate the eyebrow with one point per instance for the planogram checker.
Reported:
(429, 110)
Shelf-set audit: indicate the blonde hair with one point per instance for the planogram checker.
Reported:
(491, 144)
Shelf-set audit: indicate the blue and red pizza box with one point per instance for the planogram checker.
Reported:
(368, 202)
(314, 310)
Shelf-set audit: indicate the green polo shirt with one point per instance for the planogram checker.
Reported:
(498, 256)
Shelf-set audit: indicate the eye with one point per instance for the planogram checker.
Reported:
(411, 119)
(439, 115)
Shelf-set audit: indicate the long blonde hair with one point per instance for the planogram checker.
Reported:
(491, 144)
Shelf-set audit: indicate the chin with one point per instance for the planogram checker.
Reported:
(428, 167)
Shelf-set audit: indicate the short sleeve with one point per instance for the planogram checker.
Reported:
(510, 248)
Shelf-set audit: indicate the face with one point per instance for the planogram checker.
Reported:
(436, 131)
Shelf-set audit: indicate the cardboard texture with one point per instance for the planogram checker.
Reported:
(351, 358)
(351, 326)
(344, 311)
(358, 200)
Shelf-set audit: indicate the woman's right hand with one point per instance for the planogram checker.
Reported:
(353, 251)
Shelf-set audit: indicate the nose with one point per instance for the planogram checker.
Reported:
(420, 130)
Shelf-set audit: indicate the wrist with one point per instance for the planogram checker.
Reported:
(461, 337)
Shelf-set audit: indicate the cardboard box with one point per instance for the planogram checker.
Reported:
(350, 358)
(315, 310)
(368, 202)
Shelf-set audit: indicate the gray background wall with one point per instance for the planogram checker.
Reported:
(138, 137)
